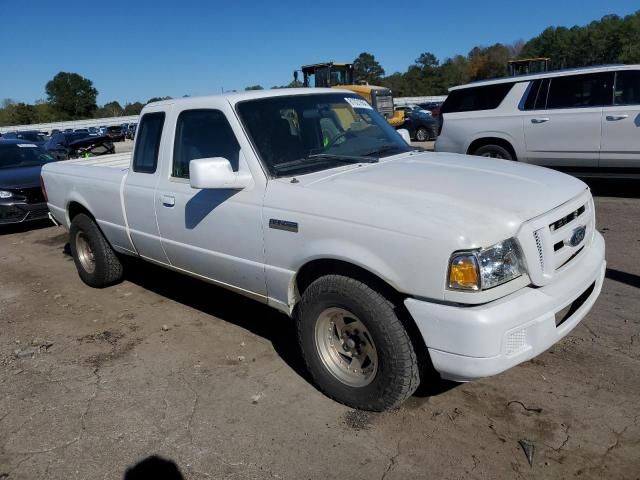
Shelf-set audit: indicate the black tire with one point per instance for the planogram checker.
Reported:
(422, 134)
(397, 375)
(493, 151)
(107, 268)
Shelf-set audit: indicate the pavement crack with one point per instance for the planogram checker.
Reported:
(392, 462)
(528, 409)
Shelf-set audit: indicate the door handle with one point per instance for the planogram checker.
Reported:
(168, 200)
(539, 120)
(615, 118)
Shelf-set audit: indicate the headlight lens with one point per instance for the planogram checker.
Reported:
(5, 194)
(487, 268)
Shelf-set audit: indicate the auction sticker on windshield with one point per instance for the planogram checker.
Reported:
(27, 145)
(358, 103)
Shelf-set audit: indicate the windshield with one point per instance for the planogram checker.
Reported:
(307, 133)
(23, 155)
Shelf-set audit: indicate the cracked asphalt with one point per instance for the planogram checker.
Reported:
(167, 374)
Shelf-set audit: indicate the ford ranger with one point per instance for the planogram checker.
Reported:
(393, 262)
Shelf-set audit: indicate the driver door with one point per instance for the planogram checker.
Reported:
(213, 233)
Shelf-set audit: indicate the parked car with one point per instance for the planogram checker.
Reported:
(64, 146)
(585, 120)
(115, 133)
(390, 260)
(131, 131)
(31, 136)
(21, 197)
(421, 127)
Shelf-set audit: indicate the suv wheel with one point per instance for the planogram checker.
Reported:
(493, 151)
(355, 347)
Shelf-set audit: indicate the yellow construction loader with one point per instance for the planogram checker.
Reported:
(340, 75)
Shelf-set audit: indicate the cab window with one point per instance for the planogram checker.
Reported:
(203, 134)
(627, 90)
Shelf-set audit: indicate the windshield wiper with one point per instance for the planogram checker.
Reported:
(345, 158)
(385, 149)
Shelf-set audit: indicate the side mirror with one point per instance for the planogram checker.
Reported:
(216, 173)
(404, 133)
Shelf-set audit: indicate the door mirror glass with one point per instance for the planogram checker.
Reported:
(404, 133)
(216, 172)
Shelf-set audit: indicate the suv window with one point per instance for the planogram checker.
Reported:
(476, 98)
(537, 95)
(575, 91)
(145, 156)
(627, 90)
(203, 134)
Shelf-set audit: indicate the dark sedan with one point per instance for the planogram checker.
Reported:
(30, 136)
(421, 126)
(115, 133)
(68, 145)
(21, 197)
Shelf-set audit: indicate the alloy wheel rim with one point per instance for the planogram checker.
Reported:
(346, 347)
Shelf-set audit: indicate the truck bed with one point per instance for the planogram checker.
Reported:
(95, 184)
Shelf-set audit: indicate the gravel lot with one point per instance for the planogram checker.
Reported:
(97, 384)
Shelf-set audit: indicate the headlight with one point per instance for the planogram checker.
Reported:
(5, 194)
(487, 268)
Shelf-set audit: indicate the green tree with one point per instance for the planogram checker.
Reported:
(367, 69)
(254, 87)
(158, 99)
(113, 109)
(72, 96)
(133, 108)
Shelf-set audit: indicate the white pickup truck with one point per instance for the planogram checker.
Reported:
(394, 262)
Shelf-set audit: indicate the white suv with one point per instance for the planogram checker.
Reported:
(584, 120)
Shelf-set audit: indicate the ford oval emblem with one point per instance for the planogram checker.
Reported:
(577, 236)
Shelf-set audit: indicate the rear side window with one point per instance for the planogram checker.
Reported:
(627, 90)
(579, 91)
(203, 134)
(537, 95)
(476, 98)
(145, 157)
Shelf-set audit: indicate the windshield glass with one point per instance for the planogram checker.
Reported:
(31, 136)
(23, 155)
(307, 133)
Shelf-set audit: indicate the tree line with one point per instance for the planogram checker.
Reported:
(69, 97)
(612, 39)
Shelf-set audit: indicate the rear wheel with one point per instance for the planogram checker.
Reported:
(493, 151)
(96, 262)
(355, 347)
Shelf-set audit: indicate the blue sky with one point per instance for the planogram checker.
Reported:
(137, 49)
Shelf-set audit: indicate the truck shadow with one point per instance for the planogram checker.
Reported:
(253, 316)
(620, 188)
(24, 227)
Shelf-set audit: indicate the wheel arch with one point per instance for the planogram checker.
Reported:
(492, 140)
(316, 268)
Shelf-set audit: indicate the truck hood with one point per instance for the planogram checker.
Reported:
(476, 199)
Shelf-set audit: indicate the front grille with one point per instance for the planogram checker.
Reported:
(557, 239)
(39, 213)
(567, 219)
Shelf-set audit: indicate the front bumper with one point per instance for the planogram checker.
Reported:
(18, 212)
(471, 342)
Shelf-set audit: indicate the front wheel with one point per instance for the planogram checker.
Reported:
(96, 262)
(422, 134)
(354, 345)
